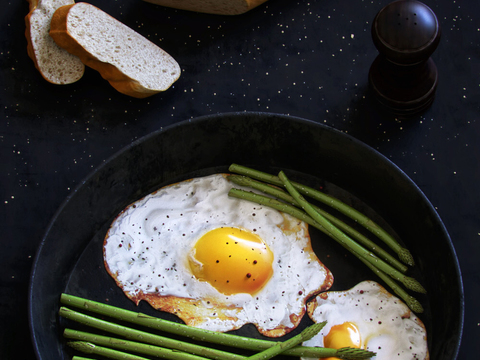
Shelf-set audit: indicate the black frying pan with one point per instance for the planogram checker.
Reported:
(70, 258)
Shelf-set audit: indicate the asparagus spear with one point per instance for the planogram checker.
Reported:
(132, 346)
(150, 350)
(153, 339)
(280, 347)
(98, 344)
(90, 348)
(409, 282)
(192, 332)
(411, 302)
(282, 195)
(403, 253)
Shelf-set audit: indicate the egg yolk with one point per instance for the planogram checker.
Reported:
(342, 335)
(232, 260)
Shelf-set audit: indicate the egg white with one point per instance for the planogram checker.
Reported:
(146, 251)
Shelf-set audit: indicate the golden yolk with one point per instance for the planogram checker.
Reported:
(342, 335)
(232, 260)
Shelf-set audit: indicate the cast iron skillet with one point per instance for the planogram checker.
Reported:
(70, 256)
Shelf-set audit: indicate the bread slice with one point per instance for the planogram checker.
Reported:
(218, 7)
(132, 64)
(54, 63)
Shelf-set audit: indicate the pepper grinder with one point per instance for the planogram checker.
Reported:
(403, 77)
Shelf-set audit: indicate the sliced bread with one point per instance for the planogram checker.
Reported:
(218, 7)
(132, 64)
(55, 64)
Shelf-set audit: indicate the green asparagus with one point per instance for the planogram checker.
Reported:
(135, 347)
(231, 340)
(409, 282)
(282, 195)
(280, 347)
(403, 253)
(89, 348)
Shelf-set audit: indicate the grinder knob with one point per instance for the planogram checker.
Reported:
(403, 77)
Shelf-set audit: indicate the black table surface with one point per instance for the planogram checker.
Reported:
(308, 59)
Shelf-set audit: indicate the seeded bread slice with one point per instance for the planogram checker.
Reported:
(218, 7)
(132, 64)
(54, 63)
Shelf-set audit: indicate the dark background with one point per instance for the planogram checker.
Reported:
(304, 58)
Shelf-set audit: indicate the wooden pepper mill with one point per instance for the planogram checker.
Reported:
(403, 77)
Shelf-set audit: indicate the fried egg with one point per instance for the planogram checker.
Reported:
(215, 261)
(368, 317)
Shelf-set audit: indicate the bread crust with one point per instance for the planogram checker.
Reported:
(70, 71)
(32, 4)
(120, 81)
(28, 35)
(217, 7)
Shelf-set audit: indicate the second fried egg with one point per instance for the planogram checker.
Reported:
(368, 317)
(216, 262)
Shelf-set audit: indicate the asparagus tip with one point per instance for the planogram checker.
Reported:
(349, 353)
(406, 257)
(313, 330)
(414, 285)
(414, 305)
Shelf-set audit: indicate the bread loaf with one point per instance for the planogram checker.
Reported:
(219, 7)
(132, 64)
(54, 63)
